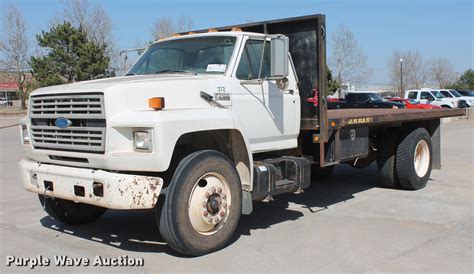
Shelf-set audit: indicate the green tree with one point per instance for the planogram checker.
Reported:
(71, 57)
(332, 84)
(465, 81)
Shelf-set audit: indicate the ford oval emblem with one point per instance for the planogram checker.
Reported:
(62, 122)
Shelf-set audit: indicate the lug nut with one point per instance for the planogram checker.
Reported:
(213, 189)
(219, 190)
(205, 213)
(207, 195)
(222, 213)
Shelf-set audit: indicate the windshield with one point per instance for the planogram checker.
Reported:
(455, 93)
(193, 55)
(437, 94)
(374, 96)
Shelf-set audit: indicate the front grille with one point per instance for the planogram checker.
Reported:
(86, 113)
(89, 105)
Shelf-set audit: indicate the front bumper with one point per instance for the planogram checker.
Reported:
(95, 187)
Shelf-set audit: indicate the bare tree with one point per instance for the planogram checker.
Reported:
(14, 45)
(184, 23)
(165, 26)
(441, 72)
(91, 18)
(347, 60)
(407, 70)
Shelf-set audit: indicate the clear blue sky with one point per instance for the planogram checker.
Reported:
(437, 28)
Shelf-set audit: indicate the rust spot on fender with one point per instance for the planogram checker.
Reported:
(141, 188)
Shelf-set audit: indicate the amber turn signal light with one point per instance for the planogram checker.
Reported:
(156, 103)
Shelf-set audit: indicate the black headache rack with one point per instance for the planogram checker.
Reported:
(308, 52)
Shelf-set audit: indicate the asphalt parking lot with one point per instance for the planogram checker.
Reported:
(345, 223)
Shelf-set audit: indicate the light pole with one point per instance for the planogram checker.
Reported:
(401, 77)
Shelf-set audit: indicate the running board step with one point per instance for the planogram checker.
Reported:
(280, 175)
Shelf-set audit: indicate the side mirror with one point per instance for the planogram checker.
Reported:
(279, 56)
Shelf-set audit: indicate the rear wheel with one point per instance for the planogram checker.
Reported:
(203, 204)
(69, 212)
(414, 159)
(387, 145)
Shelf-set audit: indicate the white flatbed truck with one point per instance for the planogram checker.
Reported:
(207, 123)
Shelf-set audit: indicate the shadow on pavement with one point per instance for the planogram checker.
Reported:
(138, 231)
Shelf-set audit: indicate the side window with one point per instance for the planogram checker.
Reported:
(412, 95)
(447, 94)
(361, 98)
(426, 96)
(249, 65)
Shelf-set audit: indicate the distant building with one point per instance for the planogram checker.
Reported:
(9, 84)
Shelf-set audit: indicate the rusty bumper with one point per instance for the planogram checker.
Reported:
(95, 187)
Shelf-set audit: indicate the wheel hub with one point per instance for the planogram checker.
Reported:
(421, 158)
(209, 203)
(213, 204)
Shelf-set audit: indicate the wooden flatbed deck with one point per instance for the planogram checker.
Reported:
(372, 117)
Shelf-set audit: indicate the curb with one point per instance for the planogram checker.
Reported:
(14, 125)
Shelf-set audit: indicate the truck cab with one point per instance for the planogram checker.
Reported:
(234, 92)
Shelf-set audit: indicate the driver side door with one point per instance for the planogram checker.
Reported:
(268, 113)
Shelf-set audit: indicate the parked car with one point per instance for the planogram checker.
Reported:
(364, 100)
(468, 93)
(413, 104)
(433, 97)
(451, 93)
(5, 102)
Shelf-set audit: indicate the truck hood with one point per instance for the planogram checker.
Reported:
(181, 91)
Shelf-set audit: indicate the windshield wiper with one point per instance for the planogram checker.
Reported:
(175, 71)
(131, 74)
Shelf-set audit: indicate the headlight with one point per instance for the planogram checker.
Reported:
(25, 136)
(142, 140)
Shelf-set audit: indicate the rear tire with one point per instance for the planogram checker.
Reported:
(69, 212)
(386, 159)
(414, 159)
(203, 204)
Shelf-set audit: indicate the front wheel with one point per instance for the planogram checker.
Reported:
(202, 205)
(414, 159)
(69, 212)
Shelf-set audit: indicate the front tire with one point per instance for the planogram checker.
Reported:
(203, 204)
(69, 212)
(414, 159)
